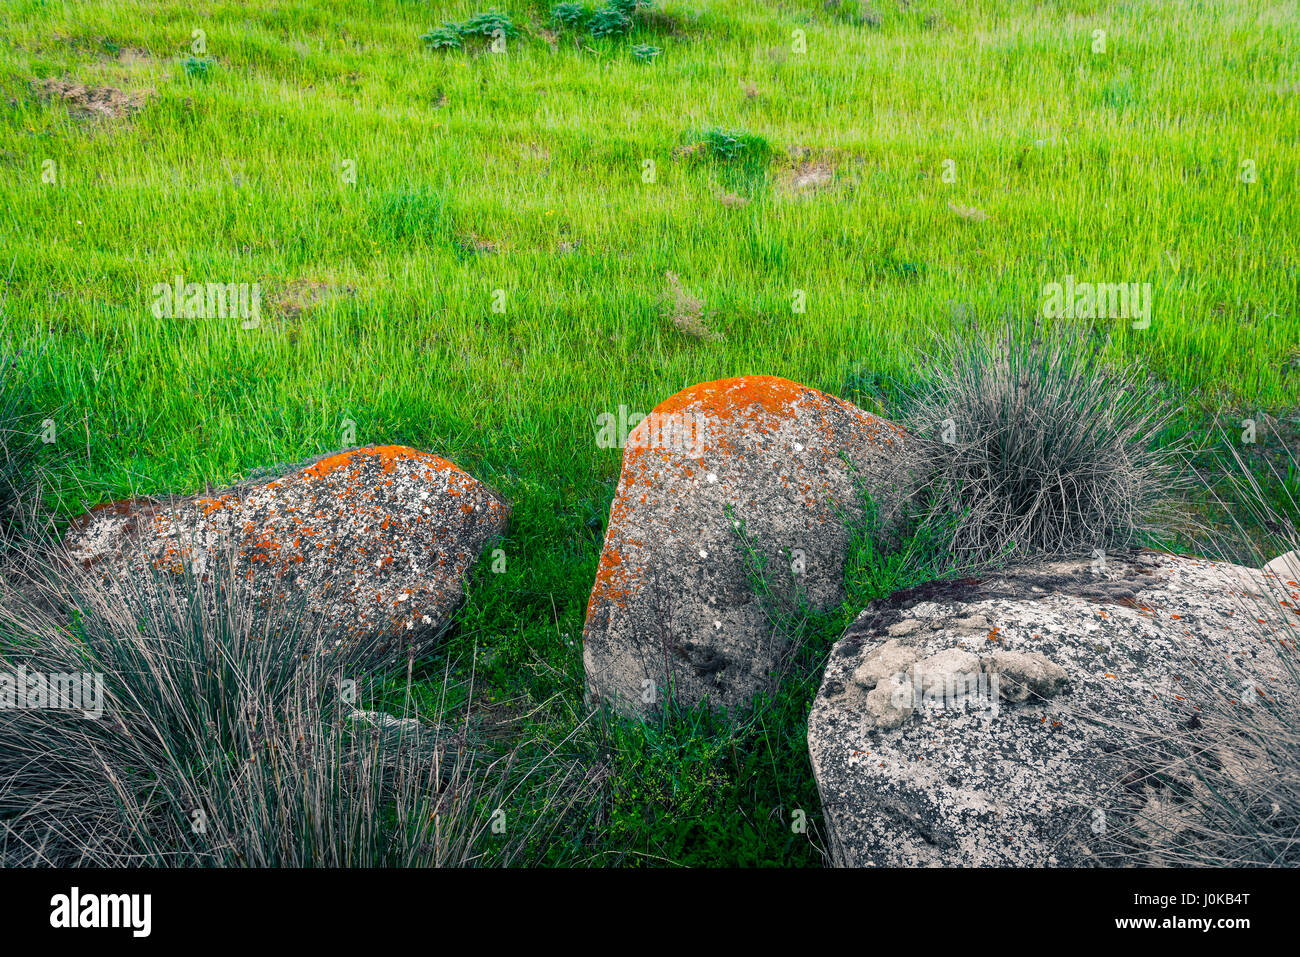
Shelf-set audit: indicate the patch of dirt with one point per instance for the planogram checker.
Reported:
(473, 242)
(812, 176)
(732, 201)
(294, 298)
(806, 174)
(95, 102)
(134, 59)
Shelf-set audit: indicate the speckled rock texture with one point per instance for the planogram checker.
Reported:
(371, 542)
(1286, 567)
(1008, 754)
(758, 459)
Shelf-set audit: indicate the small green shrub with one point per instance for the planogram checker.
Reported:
(446, 37)
(451, 36)
(735, 145)
(610, 22)
(571, 16)
(645, 53)
(488, 25)
(874, 569)
(198, 68)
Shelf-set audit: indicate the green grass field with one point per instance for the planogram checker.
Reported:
(465, 251)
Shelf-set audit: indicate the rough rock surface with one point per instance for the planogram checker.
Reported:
(1286, 567)
(756, 459)
(1020, 771)
(373, 541)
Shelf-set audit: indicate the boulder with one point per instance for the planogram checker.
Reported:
(1286, 567)
(724, 485)
(372, 542)
(992, 721)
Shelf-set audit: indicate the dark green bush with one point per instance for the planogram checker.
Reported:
(446, 37)
(488, 25)
(198, 68)
(610, 22)
(572, 16)
(451, 36)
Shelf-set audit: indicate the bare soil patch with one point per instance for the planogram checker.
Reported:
(294, 298)
(94, 102)
(807, 173)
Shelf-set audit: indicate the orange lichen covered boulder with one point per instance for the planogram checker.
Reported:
(373, 542)
(721, 480)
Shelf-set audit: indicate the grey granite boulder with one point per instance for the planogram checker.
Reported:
(1286, 567)
(724, 485)
(994, 721)
(372, 542)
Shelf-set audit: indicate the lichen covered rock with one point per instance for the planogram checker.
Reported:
(1286, 567)
(724, 484)
(372, 542)
(992, 721)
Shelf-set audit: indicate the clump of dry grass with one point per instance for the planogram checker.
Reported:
(1038, 447)
(1223, 789)
(686, 311)
(225, 739)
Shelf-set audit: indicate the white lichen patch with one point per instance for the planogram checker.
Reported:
(1157, 643)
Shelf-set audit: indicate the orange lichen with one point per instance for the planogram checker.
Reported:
(729, 400)
(723, 398)
(611, 584)
(388, 455)
(210, 505)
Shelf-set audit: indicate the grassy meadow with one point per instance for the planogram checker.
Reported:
(477, 253)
